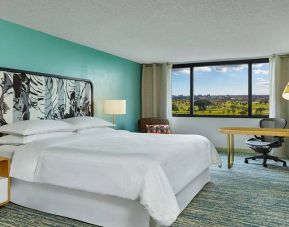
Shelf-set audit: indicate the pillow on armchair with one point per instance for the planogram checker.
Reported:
(159, 129)
(143, 122)
(153, 129)
(165, 129)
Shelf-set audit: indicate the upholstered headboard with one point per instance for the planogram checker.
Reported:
(29, 95)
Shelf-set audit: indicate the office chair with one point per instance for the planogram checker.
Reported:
(264, 144)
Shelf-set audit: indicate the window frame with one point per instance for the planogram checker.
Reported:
(249, 62)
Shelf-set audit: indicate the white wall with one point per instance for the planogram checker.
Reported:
(209, 127)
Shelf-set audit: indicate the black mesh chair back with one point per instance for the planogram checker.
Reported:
(272, 123)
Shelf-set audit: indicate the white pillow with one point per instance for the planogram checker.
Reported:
(20, 140)
(32, 127)
(88, 122)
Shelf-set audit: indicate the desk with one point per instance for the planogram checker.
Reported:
(231, 131)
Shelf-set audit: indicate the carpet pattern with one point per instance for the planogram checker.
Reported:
(246, 195)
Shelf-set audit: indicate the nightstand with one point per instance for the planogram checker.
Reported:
(4, 180)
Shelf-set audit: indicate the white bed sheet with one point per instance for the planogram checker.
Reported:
(144, 167)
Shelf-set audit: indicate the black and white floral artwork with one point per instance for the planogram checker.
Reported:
(26, 96)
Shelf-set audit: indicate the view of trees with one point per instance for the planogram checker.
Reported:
(221, 105)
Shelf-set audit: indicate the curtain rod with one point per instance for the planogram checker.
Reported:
(150, 64)
(282, 55)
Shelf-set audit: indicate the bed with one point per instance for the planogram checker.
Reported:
(104, 176)
(111, 173)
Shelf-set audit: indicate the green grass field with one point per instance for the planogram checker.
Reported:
(220, 107)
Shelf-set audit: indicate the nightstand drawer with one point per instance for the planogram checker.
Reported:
(3, 189)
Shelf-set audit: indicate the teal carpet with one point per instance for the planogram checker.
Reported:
(246, 195)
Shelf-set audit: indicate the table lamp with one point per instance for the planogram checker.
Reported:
(114, 107)
(285, 94)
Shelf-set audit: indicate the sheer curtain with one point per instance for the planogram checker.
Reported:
(279, 107)
(156, 91)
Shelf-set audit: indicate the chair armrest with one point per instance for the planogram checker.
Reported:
(257, 137)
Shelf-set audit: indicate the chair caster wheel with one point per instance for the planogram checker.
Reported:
(246, 161)
(284, 164)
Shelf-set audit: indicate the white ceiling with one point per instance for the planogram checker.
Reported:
(161, 30)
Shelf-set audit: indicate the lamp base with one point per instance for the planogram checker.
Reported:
(113, 121)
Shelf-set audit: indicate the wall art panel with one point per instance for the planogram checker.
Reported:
(27, 96)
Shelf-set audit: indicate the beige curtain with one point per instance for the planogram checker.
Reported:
(156, 90)
(279, 107)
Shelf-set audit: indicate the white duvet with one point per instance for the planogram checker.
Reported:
(146, 167)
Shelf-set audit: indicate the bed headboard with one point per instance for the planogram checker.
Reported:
(29, 95)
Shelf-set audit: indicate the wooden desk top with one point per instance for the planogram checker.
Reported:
(255, 131)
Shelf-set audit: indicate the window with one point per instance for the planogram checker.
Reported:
(233, 89)
(260, 89)
(181, 90)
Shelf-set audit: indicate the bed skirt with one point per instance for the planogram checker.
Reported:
(103, 210)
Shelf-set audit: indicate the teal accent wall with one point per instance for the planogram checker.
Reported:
(113, 77)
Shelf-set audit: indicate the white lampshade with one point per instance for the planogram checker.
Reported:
(114, 107)
(285, 94)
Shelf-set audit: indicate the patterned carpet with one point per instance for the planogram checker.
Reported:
(246, 195)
